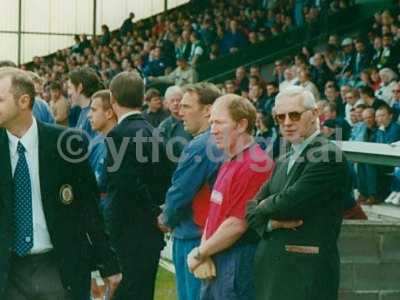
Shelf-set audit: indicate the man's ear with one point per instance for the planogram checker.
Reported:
(207, 110)
(109, 113)
(242, 125)
(24, 102)
(79, 88)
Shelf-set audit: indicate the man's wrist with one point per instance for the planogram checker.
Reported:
(270, 226)
(198, 255)
(165, 221)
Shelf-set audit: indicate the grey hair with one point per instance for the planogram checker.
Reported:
(388, 72)
(298, 91)
(173, 90)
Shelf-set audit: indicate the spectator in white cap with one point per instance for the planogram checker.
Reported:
(349, 55)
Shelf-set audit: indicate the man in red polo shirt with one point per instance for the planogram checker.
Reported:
(226, 239)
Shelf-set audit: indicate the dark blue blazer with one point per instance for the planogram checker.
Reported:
(137, 182)
(76, 229)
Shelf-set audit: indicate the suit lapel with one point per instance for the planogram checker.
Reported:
(5, 171)
(301, 161)
(279, 177)
(295, 169)
(47, 170)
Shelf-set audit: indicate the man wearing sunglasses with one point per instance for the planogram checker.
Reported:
(396, 102)
(309, 184)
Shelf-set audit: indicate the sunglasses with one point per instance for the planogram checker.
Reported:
(294, 116)
(396, 91)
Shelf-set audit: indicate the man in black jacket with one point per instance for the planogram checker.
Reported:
(138, 175)
(308, 184)
(51, 233)
(127, 26)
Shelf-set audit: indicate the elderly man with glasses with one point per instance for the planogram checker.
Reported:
(396, 102)
(308, 184)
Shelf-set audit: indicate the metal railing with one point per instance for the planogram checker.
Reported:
(372, 153)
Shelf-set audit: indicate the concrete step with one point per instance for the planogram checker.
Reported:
(382, 212)
(370, 295)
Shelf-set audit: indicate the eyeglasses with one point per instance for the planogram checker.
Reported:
(396, 91)
(294, 116)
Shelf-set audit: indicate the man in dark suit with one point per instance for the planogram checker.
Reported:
(51, 234)
(138, 176)
(308, 184)
(362, 58)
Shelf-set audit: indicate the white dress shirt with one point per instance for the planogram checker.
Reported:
(30, 141)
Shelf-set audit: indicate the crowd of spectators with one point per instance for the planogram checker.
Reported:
(348, 76)
(195, 33)
(355, 79)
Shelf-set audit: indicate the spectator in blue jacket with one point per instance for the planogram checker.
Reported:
(366, 173)
(156, 65)
(41, 109)
(357, 131)
(102, 119)
(82, 84)
(207, 33)
(388, 132)
(186, 203)
(234, 38)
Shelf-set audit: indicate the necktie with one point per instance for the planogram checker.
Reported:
(358, 61)
(291, 161)
(23, 220)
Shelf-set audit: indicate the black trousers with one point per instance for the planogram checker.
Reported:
(35, 277)
(139, 269)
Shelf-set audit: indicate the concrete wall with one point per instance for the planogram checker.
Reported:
(370, 253)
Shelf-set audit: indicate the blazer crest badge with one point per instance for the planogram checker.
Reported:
(66, 194)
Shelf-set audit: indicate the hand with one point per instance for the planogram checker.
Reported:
(262, 205)
(192, 260)
(161, 224)
(289, 224)
(112, 283)
(151, 78)
(206, 270)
